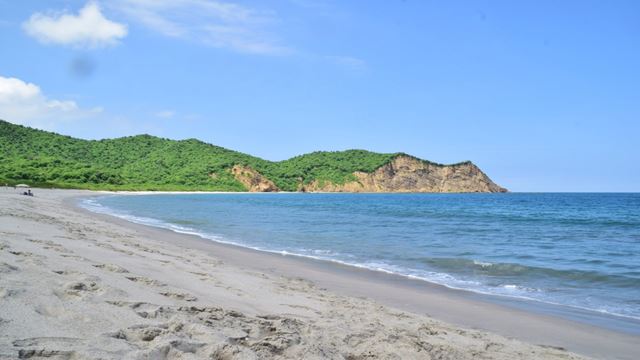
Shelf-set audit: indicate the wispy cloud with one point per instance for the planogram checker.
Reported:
(215, 23)
(89, 28)
(24, 103)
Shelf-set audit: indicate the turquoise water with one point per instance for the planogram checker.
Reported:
(579, 250)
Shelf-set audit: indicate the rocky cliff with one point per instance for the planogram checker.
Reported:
(253, 180)
(402, 174)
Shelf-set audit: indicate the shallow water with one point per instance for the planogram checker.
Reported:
(579, 250)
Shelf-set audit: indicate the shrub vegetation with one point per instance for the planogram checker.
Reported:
(146, 162)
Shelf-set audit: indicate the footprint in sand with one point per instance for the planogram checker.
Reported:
(211, 332)
(140, 332)
(113, 248)
(21, 253)
(65, 272)
(179, 296)
(76, 257)
(46, 347)
(146, 281)
(78, 289)
(156, 341)
(39, 341)
(199, 273)
(8, 293)
(111, 267)
(142, 309)
(51, 245)
(7, 268)
(45, 353)
(26, 257)
(303, 307)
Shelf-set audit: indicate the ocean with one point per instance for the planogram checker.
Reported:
(571, 249)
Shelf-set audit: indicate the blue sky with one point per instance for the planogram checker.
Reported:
(542, 95)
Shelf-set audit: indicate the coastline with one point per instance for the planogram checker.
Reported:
(455, 306)
(589, 316)
(415, 298)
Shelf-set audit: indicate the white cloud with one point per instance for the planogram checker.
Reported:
(89, 28)
(215, 23)
(24, 103)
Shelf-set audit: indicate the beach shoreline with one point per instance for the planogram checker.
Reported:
(415, 297)
(587, 316)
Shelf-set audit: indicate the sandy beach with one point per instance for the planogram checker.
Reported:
(79, 285)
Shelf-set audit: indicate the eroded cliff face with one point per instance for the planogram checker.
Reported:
(407, 174)
(253, 180)
(402, 174)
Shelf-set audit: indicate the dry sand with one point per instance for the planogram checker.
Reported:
(76, 285)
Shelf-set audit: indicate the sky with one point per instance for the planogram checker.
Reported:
(542, 95)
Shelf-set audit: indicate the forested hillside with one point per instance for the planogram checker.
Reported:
(150, 163)
(145, 162)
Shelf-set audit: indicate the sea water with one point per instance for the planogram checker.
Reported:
(578, 250)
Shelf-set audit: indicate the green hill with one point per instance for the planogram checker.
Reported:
(146, 162)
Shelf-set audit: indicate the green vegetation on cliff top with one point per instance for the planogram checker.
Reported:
(146, 162)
